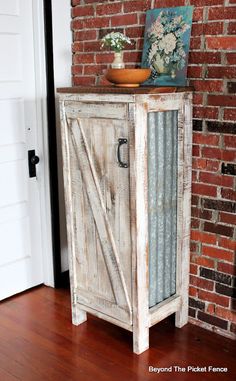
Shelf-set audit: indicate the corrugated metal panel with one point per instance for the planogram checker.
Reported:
(162, 200)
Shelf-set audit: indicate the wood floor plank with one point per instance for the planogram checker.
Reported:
(4, 375)
(38, 342)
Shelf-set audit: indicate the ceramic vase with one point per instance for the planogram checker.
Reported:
(118, 62)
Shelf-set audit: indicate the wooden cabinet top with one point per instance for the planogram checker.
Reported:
(122, 90)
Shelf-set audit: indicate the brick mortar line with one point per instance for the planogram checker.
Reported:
(213, 292)
(110, 16)
(210, 268)
(215, 246)
(142, 25)
(106, 52)
(207, 303)
(211, 146)
(217, 173)
(216, 199)
(94, 5)
(190, 64)
(215, 65)
(214, 280)
(115, 27)
(226, 333)
(152, 4)
(216, 234)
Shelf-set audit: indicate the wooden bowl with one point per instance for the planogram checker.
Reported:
(127, 77)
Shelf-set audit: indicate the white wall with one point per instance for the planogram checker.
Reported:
(62, 39)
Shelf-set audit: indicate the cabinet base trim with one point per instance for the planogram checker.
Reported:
(164, 309)
(105, 317)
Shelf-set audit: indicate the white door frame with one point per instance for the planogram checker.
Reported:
(42, 139)
(61, 40)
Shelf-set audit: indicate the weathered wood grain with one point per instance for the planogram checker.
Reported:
(141, 304)
(99, 210)
(77, 109)
(164, 309)
(107, 207)
(99, 303)
(184, 212)
(108, 318)
(93, 98)
(161, 102)
(78, 316)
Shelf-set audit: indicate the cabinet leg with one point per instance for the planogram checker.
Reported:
(78, 316)
(140, 340)
(181, 317)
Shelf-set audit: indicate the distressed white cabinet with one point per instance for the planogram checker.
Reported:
(127, 175)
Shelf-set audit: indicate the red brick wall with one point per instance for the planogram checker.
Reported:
(212, 69)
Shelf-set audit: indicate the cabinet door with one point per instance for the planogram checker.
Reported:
(100, 207)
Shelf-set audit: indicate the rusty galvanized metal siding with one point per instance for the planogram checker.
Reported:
(162, 203)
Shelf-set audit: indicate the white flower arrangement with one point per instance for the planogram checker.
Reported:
(116, 41)
(165, 36)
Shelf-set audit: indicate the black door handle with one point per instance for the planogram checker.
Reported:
(121, 141)
(33, 160)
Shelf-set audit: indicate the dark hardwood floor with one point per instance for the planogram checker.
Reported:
(39, 343)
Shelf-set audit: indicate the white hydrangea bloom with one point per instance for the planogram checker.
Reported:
(168, 43)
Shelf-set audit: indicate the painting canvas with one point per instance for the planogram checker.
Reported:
(166, 45)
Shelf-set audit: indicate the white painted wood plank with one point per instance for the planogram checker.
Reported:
(78, 316)
(79, 204)
(161, 102)
(141, 305)
(96, 110)
(99, 303)
(114, 98)
(185, 217)
(108, 318)
(164, 309)
(99, 212)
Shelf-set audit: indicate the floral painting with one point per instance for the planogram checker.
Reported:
(166, 45)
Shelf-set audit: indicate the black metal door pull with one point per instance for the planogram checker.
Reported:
(121, 141)
(33, 160)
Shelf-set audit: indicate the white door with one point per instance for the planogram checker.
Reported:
(21, 260)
